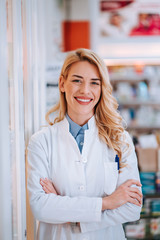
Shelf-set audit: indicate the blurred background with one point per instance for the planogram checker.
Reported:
(35, 36)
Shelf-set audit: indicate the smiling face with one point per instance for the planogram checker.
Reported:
(82, 90)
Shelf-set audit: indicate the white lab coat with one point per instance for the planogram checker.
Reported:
(81, 181)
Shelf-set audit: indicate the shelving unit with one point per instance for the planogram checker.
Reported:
(150, 216)
(138, 103)
(147, 217)
(155, 195)
(131, 103)
(143, 129)
(124, 79)
(146, 238)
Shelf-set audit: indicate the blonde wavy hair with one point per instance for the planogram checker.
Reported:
(108, 119)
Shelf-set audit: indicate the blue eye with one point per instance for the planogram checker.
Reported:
(76, 80)
(95, 83)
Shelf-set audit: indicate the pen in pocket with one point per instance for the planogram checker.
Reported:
(117, 160)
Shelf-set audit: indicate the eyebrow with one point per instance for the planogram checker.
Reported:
(74, 75)
(94, 79)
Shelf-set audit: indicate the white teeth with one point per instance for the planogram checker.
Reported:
(83, 100)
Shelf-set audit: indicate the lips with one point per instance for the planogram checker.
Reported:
(83, 100)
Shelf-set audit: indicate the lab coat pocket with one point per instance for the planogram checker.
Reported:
(111, 177)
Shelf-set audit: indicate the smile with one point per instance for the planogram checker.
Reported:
(83, 100)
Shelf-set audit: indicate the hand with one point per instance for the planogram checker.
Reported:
(48, 186)
(123, 194)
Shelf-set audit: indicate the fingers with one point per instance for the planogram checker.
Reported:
(47, 183)
(47, 186)
(134, 201)
(135, 194)
(136, 197)
(130, 182)
(136, 190)
(46, 190)
(44, 184)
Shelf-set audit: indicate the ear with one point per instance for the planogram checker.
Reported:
(61, 84)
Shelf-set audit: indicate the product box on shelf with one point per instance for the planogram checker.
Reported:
(147, 159)
(143, 229)
(136, 229)
(155, 226)
(148, 180)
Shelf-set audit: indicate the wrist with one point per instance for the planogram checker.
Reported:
(104, 203)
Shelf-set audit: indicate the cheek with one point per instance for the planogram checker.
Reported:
(70, 92)
(98, 93)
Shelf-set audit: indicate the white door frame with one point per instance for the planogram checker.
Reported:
(5, 168)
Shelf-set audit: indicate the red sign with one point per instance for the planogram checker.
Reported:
(113, 5)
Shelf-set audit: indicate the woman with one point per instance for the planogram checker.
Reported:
(83, 179)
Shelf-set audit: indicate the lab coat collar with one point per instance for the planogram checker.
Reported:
(74, 128)
(91, 124)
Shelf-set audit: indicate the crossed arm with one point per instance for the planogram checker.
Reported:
(123, 194)
(93, 213)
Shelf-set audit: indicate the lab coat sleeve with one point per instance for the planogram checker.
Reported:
(127, 212)
(51, 208)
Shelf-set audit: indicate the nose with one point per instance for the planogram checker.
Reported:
(84, 88)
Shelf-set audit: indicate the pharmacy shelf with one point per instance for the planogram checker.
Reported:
(125, 79)
(146, 238)
(51, 84)
(153, 195)
(137, 103)
(150, 215)
(143, 128)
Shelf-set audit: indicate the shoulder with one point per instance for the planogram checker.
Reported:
(44, 135)
(127, 146)
(41, 137)
(128, 149)
(128, 138)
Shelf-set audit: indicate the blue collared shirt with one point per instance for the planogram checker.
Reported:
(77, 132)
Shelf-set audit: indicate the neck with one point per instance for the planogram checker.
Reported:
(80, 120)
